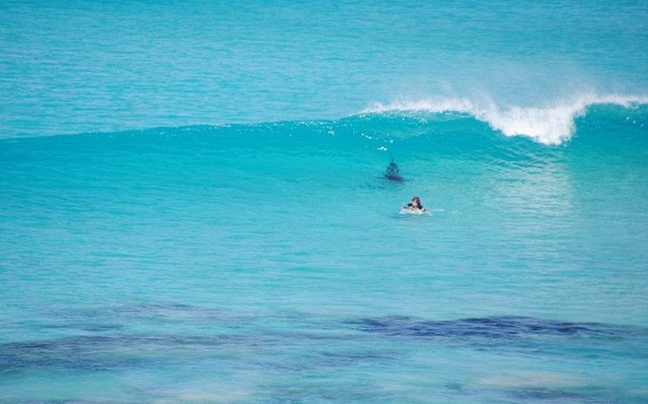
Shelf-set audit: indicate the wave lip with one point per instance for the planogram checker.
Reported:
(550, 125)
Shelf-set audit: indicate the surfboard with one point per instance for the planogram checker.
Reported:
(411, 211)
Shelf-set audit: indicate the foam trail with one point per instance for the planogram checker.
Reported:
(548, 125)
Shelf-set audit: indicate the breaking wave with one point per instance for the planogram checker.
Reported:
(551, 125)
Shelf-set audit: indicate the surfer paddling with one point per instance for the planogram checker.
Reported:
(415, 207)
(415, 204)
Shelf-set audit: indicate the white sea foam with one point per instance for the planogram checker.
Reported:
(550, 125)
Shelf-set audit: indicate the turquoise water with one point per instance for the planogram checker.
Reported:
(193, 206)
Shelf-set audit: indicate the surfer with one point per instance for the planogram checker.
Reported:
(393, 173)
(415, 205)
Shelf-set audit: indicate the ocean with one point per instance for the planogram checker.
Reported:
(194, 208)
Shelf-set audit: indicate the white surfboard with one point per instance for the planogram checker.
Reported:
(414, 211)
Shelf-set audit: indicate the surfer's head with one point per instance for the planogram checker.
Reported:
(416, 202)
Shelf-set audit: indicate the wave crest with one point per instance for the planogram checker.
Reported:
(550, 125)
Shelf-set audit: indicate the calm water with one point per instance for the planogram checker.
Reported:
(193, 207)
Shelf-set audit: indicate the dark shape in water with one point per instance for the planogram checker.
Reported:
(483, 328)
(393, 173)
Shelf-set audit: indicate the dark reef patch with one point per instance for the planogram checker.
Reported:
(485, 328)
